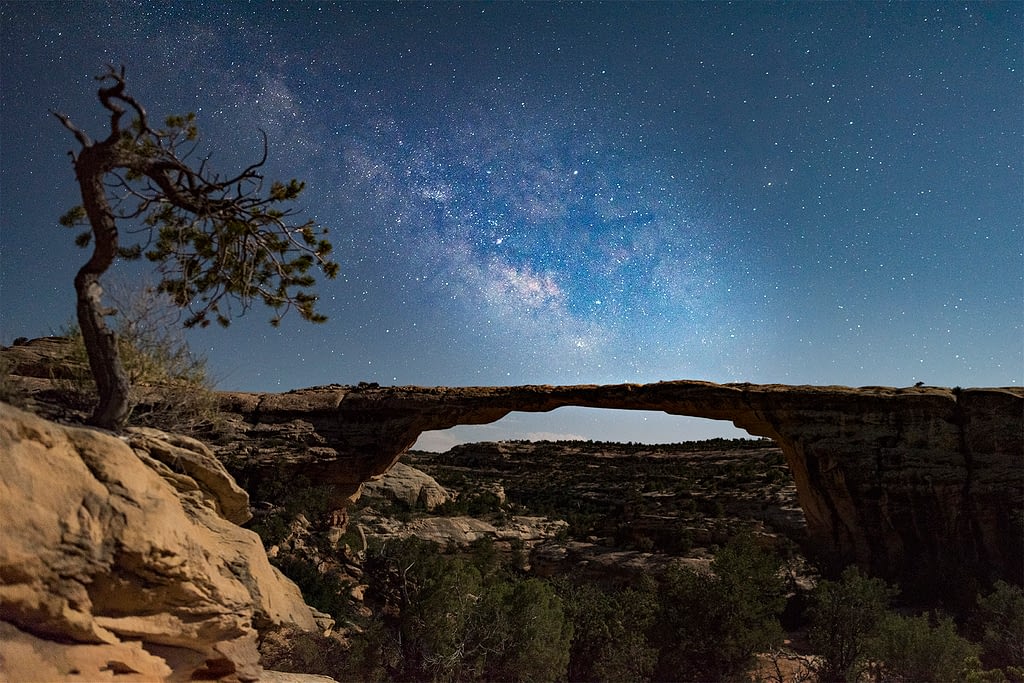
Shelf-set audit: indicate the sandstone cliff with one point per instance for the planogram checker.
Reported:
(921, 483)
(121, 558)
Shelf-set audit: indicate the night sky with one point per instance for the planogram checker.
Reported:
(820, 193)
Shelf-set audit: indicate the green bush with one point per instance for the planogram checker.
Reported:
(999, 625)
(710, 626)
(916, 649)
(854, 632)
(292, 496)
(843, 617)
(520, 633)
(325, 591)
(296, 651)
(610, 631)
(478, 503)
(463, 618)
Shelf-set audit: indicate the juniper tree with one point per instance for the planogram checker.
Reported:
(219, 243)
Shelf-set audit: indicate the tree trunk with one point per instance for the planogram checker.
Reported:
(100, 341)
(111, 411)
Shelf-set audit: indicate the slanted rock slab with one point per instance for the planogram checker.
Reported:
(112, 563)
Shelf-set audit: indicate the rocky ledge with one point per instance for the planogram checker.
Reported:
(121, 559)
(917, 483)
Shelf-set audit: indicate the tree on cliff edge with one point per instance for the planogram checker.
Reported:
(219, 242)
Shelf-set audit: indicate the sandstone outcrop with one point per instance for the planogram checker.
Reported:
(42, 358)
(409, 486)
(921, 482)
(463, 531)
(120, 558)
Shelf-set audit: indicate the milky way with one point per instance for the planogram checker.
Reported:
(564, 193)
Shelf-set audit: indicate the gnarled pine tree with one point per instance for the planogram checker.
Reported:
(219, 243)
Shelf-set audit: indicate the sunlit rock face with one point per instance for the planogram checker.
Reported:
(121, 557)
(916, 483)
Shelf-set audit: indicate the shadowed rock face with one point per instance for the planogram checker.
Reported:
(919, 483)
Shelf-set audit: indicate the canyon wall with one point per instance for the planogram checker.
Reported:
(917, 484)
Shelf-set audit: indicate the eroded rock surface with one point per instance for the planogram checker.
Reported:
(408, 485)
(918, 482)
(464, 531)
(119, 559)
(921, 482)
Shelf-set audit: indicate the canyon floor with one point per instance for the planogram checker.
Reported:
(606, 513)
(673, 500)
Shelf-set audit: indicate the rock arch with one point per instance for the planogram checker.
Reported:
(919, 482)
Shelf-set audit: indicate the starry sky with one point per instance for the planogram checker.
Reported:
(820, 193)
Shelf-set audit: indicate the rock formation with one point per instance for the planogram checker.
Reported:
(121, 558)
(408, 485)
(917, 483)
(461, 532)
(922, 483)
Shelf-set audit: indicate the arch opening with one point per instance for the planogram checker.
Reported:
(571, 423)
(623, 480)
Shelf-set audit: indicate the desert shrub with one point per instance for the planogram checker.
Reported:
(921, 649)
(709, 626)
(290, 497)
(325, 591)
(778, 475)
(73, 379)
(293, 650)
(474, 503)
(170, 387)
(435, 617)
(462, 618)
(610, 631)
(520, 633)
(843, 616)
(999, 626)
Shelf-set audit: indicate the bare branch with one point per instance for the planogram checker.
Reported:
(250, 172)
(109, 96)
(80, 135)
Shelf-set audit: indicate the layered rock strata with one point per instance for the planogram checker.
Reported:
(918, 483)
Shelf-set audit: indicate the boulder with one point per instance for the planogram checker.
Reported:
(408, 485)
(190, 462)
(118, 560)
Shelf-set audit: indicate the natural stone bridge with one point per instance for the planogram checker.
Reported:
(916, 483)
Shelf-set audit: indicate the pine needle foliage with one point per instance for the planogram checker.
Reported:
(219, 242)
